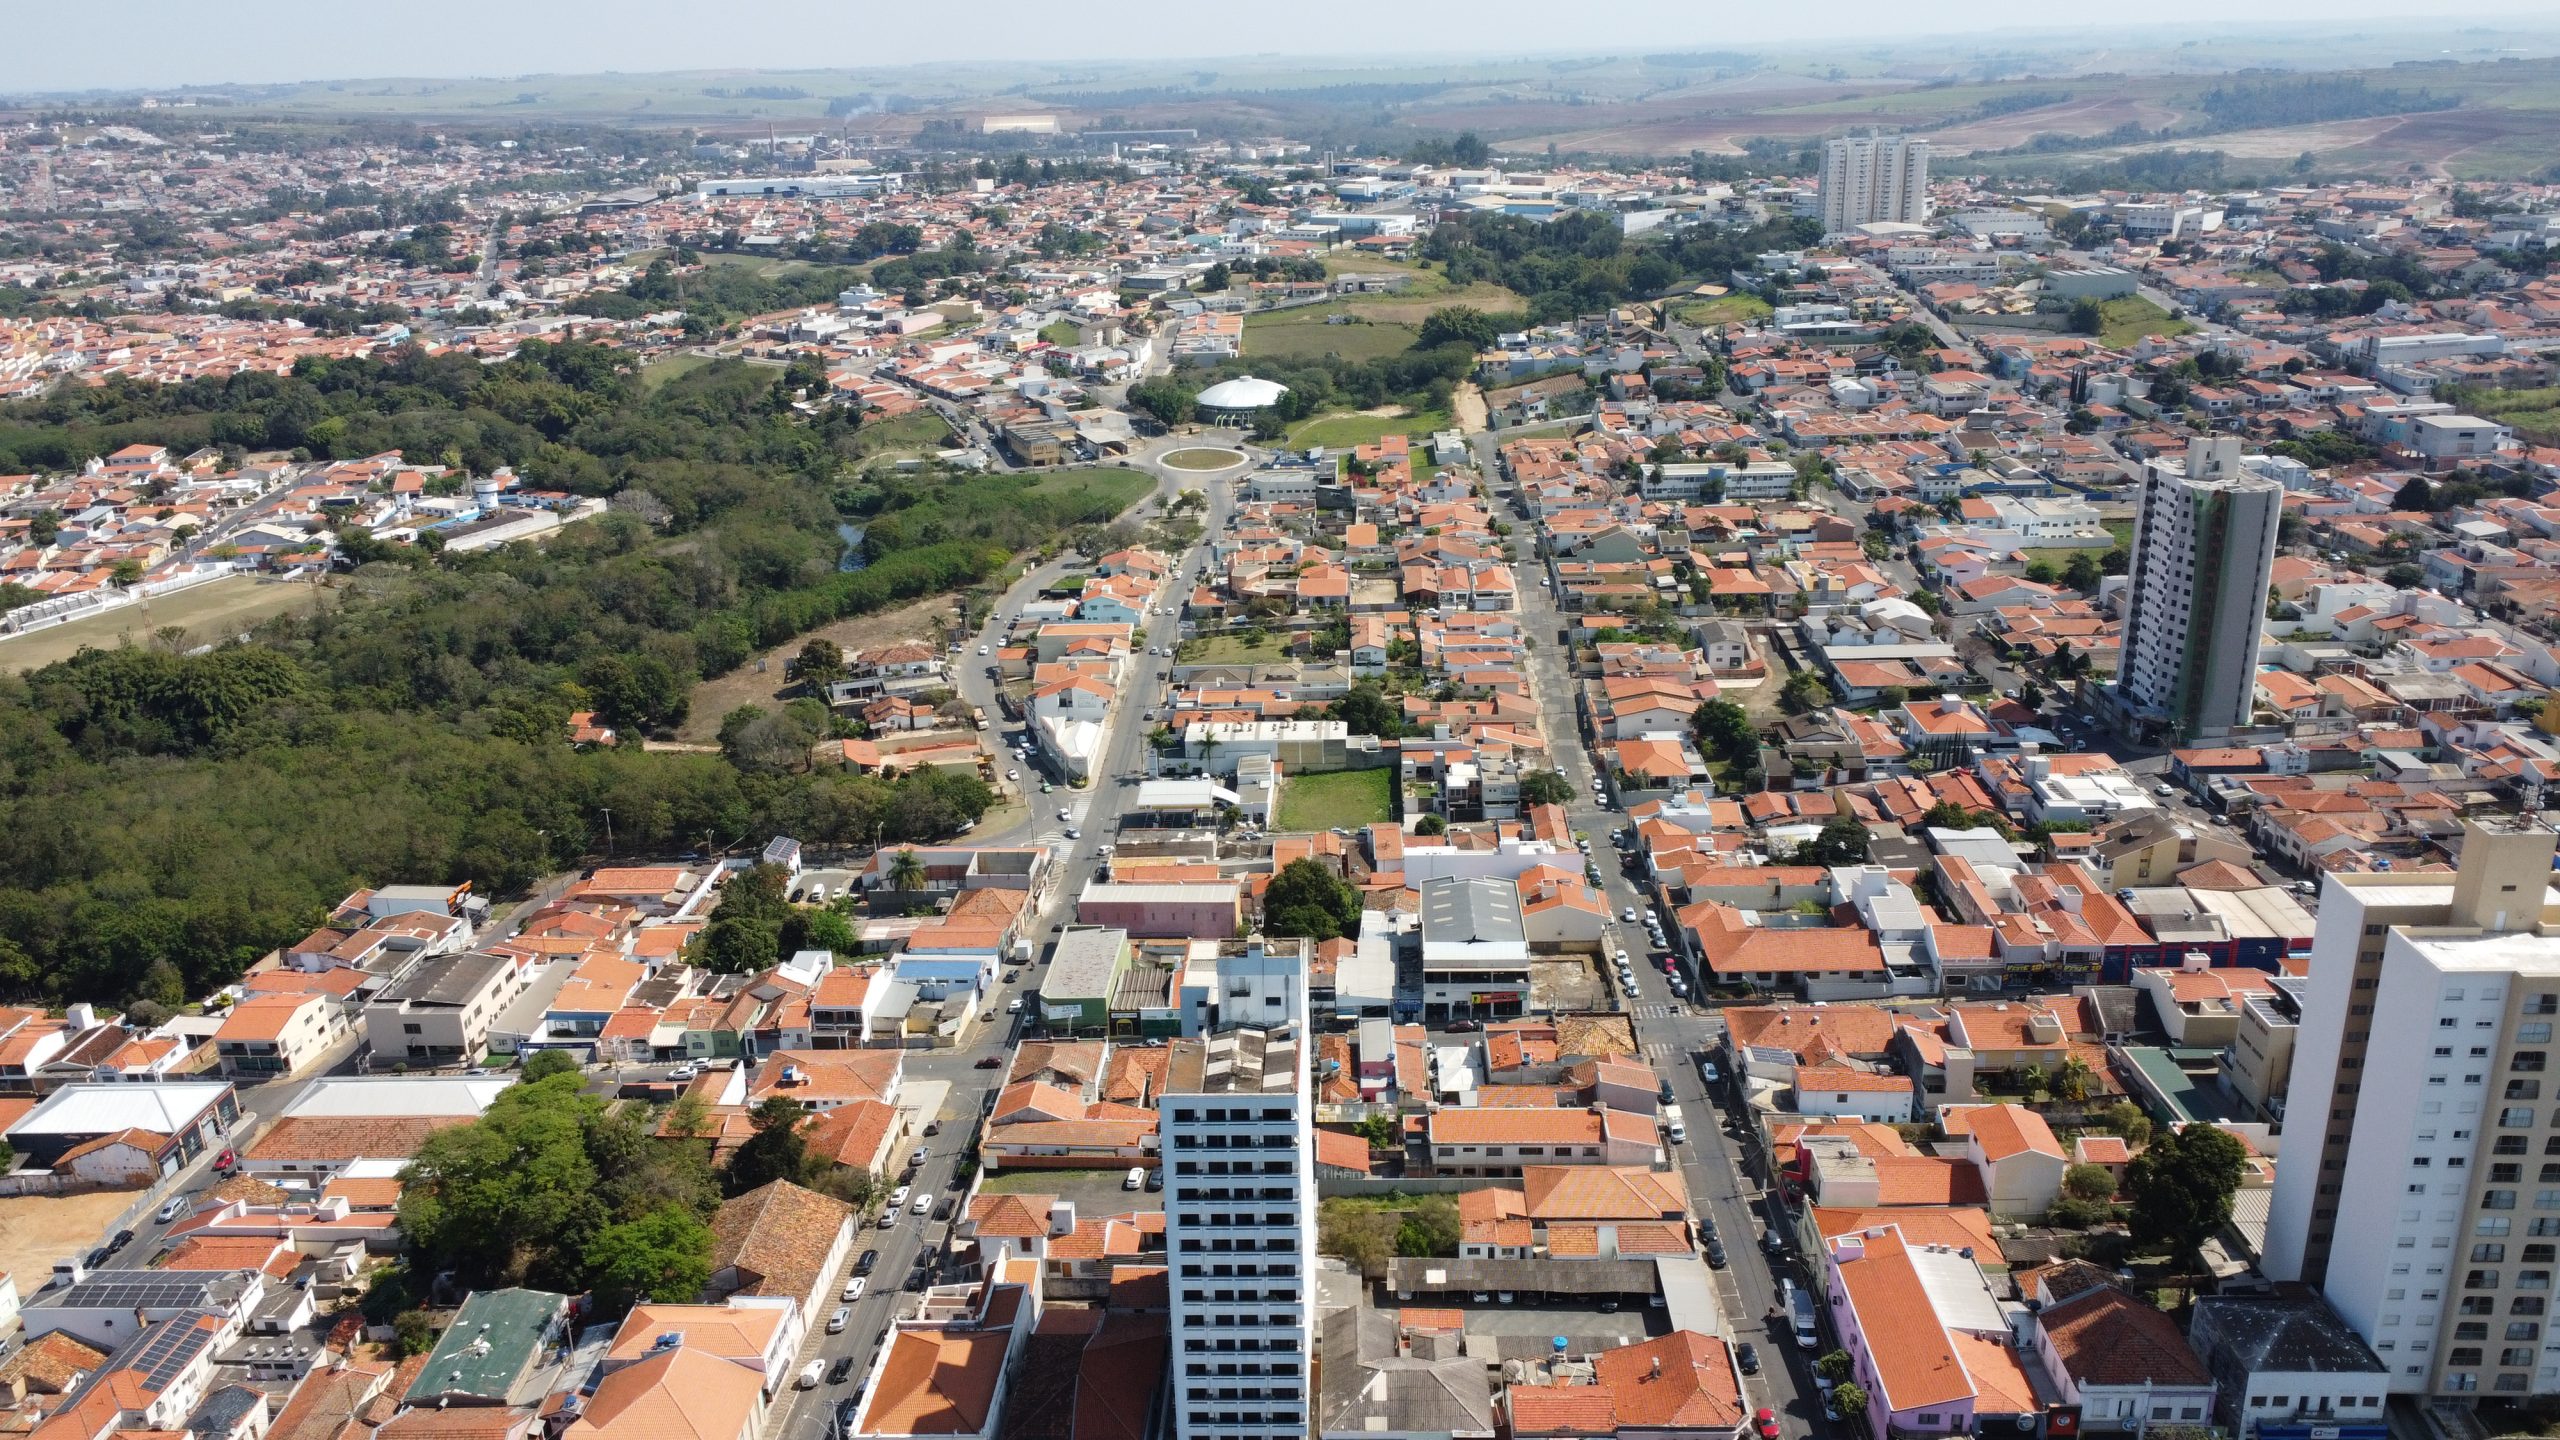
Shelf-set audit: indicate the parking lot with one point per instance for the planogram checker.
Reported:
(1092, 1192)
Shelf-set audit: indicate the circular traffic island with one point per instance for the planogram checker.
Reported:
(1203, 458)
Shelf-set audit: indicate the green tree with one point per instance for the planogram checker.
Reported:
(1430, 825)
(2404, 576)
(906, 872)
(2089, 1182)
(1307, 898)
(2125, 1120)
(664, 1256)
(1214, 279)
(2181, 1187)
(2041, 572)
(2081, 572)
(1803, 692)
(1458, 325)
(1722, 728)
(1165, 398)
(543, 1064)
(2088, 317)
(1850, 1399)
(1835, 1366)
(1431, 1227)
(2416, 495)
(1841, 841)
(1545, 787)
(413, 1332)
(1368, 711)
(819, 663)
(2030, 694)
(738, 945)
(776, 1151)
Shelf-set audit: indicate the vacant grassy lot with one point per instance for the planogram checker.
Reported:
(1061, 332)
(915, 431)
(1723, 310)
(2534, 413)
(215, 610)
(1345, 428)
(1306, 333)
(1231, 649)
(2131, 318)
(1345, 799)
(667, 367)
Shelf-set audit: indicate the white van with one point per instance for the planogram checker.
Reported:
(809, 1375)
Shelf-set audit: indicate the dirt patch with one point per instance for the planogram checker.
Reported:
(1466, 405)
(746, 685)
(36, 1230)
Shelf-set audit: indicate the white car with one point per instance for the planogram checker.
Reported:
(923, 1206)
(1628, 915)
(1063, 815)
(173, 1209)
(1013, 1006)
(839, 1320)
(853, 1289)
(898, 1197)
(982, 650)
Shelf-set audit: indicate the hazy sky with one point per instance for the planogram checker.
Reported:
(82, 44)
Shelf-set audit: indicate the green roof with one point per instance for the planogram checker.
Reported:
(2186, 1099)
(519, 1328)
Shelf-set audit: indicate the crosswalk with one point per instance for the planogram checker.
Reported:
(1656, 1012)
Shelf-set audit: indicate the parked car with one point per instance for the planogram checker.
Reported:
(1747, 1356)
(841, 1371)
(898, 1197)
(840, 1319)
(1460, 1026)
(1155, 1180)
(990, 1062)
(869, 1261)
(1764, 1423)
(176, 1207)
(1135, 1179)
(1715, 1255)
(853, 1289)
(808, 1376)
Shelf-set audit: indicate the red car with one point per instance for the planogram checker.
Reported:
(1764, 1423)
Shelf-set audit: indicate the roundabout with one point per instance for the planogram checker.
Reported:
(1202, 458)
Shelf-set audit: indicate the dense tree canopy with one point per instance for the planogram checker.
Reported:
(172, 817)
(1308, 898)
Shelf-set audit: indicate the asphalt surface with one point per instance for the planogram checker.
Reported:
(1673, 1033)
(1095, 812)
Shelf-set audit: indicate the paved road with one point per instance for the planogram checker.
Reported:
(1095, 812)
(1673, 1033)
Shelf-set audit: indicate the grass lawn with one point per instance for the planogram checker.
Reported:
(2122, 530)
(1347, 799)
(2534, 413)
(1345, 428)
(213, 611)
(915, 430)
(1203, 457)
(2131, 317)
(1303, 334)
(1041, 1182)
(1723, 310)
(1229, 650)
(1061, 332)
(667, 367)
(1123, 486)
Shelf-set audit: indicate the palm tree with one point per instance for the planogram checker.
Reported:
(906, 872)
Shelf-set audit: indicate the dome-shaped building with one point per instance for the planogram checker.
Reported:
(1236, 400)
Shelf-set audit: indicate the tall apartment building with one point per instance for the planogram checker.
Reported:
(1237, 1137)
(2419, 1181)
(2204, 550)
(1866, 178)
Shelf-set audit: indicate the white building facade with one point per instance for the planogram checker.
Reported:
(1867, 178)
